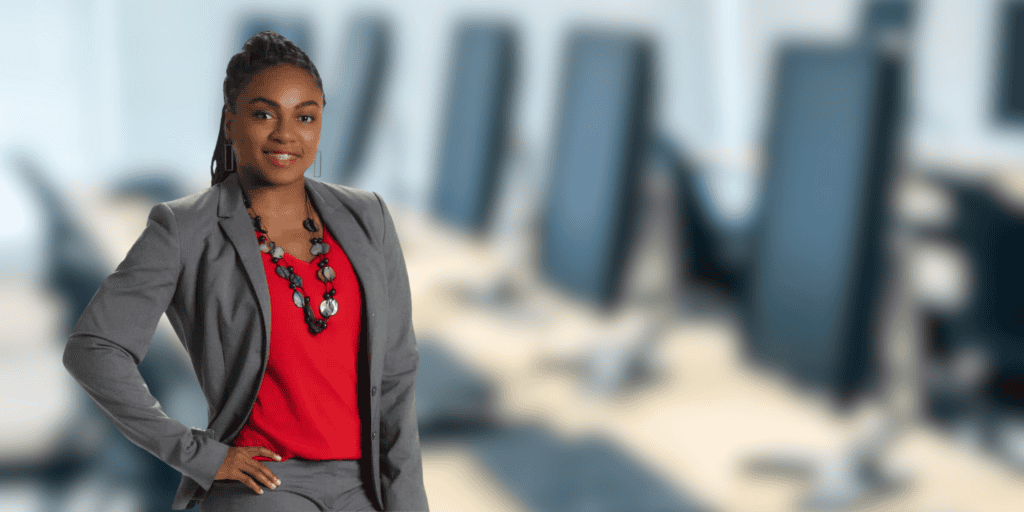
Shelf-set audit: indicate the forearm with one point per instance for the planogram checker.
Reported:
(110, 376)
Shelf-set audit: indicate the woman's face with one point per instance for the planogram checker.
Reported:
(275, 128)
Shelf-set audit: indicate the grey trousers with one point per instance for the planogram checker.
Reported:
(306, 486)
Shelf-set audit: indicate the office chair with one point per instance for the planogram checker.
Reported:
(350, 119)
(1009, 106)
(451, 398)
(988, 328)
(600, 139)
(813, 299)
(717, 250)
(478, 189)
(475, 126)
(75, 270)
(588, 219)
(151, 187)
(469, 166)
(548, 473)
(75, 265)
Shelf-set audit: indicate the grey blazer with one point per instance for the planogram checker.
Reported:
(198, 261)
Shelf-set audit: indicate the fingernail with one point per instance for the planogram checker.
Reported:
(272, 486)
(278, 457)
(278, 481)
(260, 491)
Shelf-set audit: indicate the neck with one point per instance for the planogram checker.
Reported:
(269, 200)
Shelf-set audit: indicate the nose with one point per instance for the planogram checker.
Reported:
(284, 131)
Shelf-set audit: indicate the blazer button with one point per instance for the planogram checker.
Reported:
(373, 391)
(373, 435)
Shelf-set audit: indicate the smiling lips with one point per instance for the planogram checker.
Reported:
(280, 159)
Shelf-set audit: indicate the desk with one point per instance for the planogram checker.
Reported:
(697, 426)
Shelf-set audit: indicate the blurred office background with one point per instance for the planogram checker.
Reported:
(726, 255)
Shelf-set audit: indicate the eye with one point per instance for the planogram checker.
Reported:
(259, 113)
(311, 118)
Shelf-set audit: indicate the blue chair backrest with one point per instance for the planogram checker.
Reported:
(992, 235)
(75, 267)
(351, 110)
(1009, 85)
(152, 186)
(887, 15)
(475, 125)
(715, 249)
(600, 140)
(812, 299)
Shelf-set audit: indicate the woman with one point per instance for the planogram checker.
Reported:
(292, 299)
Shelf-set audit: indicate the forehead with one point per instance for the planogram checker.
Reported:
(283, 83)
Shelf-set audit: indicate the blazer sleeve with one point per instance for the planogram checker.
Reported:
(401, 465)
(112, 337)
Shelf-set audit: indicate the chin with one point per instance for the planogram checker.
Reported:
(276, 176)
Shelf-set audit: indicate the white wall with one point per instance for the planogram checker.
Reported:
(97, 88)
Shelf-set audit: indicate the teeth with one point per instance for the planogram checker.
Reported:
(281, 156)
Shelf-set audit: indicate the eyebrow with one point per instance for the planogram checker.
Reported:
(274, 103)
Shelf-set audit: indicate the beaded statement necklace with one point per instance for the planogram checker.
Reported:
(318, 248)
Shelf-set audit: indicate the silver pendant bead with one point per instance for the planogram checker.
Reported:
(297, 299)
(328, 307)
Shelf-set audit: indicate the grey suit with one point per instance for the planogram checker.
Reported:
(198, 261)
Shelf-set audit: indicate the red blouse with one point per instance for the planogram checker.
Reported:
(307, 405)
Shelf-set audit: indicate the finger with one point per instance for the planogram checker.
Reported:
(271, 477)
(261, 473)
(252, 484)
(266, 452)
(264, 475)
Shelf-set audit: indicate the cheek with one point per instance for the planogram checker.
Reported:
(253, 135)
(311, 134)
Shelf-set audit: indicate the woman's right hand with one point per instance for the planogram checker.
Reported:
(240, 465)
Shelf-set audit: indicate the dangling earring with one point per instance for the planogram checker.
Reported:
(316, 165)
(229, 158)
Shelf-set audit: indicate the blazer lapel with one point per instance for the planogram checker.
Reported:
(237, 225)
(364, 257)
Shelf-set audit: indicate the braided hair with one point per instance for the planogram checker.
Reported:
(263, 50)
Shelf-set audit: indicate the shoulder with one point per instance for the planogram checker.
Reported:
(194, 210)
(206, 198)
(366, 206)
(363, 201)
